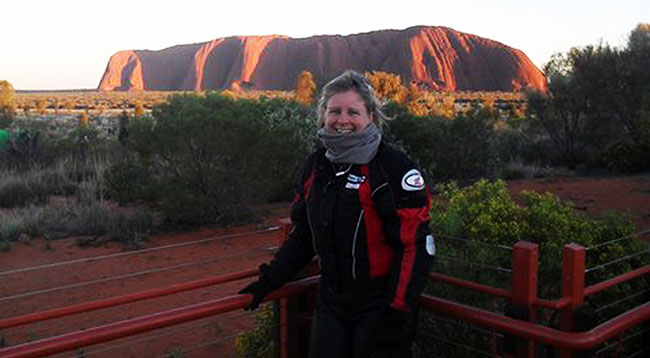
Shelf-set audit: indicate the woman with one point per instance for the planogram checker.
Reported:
(363, 209)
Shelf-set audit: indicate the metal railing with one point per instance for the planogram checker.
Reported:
(522, 292)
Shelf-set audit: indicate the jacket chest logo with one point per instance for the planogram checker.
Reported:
(354, 181)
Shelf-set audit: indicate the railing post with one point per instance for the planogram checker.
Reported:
(282, 304)
(573, 287)
(295, 313)
(524, 293)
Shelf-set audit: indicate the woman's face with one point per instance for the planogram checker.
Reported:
(346, 113)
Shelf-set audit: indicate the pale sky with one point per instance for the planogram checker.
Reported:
(66, 44)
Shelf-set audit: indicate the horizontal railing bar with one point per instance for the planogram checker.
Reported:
(617, 302)
(627, 338)
(124, 299)
(554, 304)
(137, 325)
(165, 333)
(470, 263)
(626, 237)
(138, 252)
(199, 346)
(466, 241)
(601, 286)
(617, 260)
(639, 352)
(470, 285)
(571, 340)
(125, 276)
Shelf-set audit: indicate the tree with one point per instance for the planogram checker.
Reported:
(7, 104)
(388, 86)
(305, 88)
(138, 109)
(562, 111)
(83, 120)
(598, 102)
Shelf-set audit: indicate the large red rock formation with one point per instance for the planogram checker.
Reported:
(438, 57)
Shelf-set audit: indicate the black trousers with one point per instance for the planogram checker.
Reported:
(346, 326)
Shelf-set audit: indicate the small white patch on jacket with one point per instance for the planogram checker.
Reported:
(412, 181)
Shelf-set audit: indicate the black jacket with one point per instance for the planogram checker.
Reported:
(368, 224)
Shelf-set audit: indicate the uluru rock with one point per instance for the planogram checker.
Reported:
(436, 57)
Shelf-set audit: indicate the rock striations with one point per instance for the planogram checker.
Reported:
(437, 57)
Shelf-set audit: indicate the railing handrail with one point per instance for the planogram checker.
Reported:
(539, 302)
(124, 299)
(572, 340)
(603, 285)
(147, 323)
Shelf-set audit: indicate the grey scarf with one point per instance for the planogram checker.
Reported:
(353, 148)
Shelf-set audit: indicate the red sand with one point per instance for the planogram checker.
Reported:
(214, 336)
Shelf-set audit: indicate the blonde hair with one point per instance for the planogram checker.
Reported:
(352, 80)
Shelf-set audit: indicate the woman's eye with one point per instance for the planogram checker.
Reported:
(334, 111)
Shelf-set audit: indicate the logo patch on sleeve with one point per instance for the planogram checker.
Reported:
(412, 181)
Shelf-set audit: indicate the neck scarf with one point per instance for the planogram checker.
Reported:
(352, 148)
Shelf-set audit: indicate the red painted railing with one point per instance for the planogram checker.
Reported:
(148, 323)
(523, 293)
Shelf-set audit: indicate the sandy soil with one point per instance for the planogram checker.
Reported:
(38, 277)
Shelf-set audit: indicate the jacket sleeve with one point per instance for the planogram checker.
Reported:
(297, 250)
(405, 214)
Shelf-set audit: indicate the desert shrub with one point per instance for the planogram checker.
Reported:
(11, 228)
(459, 149)
(484, 213)
(204, 159)
(627, 156)
(96, 219)
(34, 186)
(23, 150)
(259, 342)
(15, 192)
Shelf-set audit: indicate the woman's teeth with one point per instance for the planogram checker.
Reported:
(342, 130)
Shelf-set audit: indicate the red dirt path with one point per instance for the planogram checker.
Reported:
(57, 284)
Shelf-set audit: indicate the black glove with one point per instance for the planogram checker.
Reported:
(259, 289)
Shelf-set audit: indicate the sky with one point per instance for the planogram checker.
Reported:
(66, 44)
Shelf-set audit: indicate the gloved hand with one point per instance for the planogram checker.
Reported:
(259, 289)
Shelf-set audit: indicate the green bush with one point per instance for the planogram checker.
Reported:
(259, 342)
(204, 160)
(462, 148)
(485, 215)
(627, 156)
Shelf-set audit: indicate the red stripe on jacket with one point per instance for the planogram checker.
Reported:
(380, 254)
(410, 219)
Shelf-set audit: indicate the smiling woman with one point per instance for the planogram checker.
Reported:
(362, 208)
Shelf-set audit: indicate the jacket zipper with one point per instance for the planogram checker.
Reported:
(354, 246)
(311, 229)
